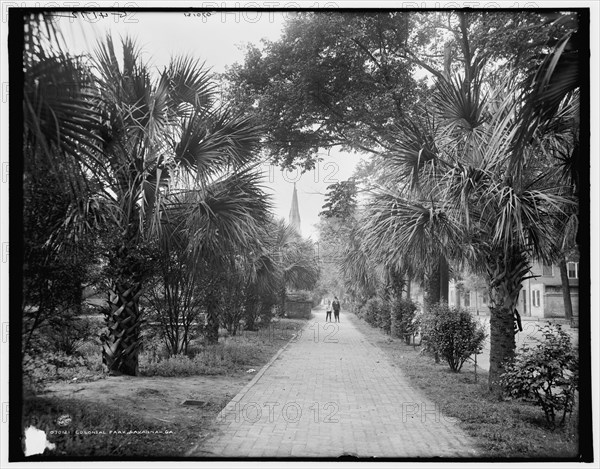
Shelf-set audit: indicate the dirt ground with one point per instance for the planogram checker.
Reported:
(160, 399)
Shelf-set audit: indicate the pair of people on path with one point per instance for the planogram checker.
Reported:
(335, 305)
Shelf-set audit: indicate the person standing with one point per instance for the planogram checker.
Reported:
(328, 311)
(336, 308)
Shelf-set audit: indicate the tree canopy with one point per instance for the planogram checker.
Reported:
(350, 79)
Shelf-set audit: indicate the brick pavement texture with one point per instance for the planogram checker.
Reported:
(330, 393)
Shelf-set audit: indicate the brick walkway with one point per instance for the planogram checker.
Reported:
(329, 393)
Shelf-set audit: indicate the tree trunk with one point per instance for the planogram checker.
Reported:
(444, 278)
(432, 287)
(436, 283)
(502, 344)
(282, 300)
(566, 289)
(120, 348)
(506, 274)
(408, 282)
(212, 319)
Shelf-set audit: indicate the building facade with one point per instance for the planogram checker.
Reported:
(541, 295)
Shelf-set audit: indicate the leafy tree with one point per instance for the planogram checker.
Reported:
(340, 201)
(348, 78)
(332, 79)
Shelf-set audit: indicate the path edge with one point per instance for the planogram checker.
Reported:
(239, 396)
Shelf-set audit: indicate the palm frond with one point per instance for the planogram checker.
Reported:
(215, 141)
(189, 83)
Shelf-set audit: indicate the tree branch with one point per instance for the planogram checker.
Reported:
(365, 49)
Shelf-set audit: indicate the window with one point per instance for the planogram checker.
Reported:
(467, 299)
(573, 269)
(535, 298)
(547, 270)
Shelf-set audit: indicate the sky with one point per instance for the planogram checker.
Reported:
(218, 41)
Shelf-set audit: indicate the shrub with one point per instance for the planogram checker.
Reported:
(371, 311)
(403, 313)
(65, 333)
(547, 373)
(355, 307)
(267, 313)
(41, 370)
(301, 295)
(384, 319)
(452, 333)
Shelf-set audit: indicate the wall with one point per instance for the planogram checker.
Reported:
(298, 309)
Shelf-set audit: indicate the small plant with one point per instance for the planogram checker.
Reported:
(452, 333)
(215, 359)
(547, 373)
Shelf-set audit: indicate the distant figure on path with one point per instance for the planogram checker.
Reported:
(328, 310)
(336, 308)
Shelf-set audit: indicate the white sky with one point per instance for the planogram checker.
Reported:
(217, 40)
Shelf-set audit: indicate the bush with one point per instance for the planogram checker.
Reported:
(370, 311)
(67, 334)
(452, 333)
(547, 373)
(376, 312)
(41, 370)
(403, 313)
(384, 319)
(300, 295)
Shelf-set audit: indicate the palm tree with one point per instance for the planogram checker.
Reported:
(472, 202)
(207, 234)
(132, 135)
(296, 265)
(224, 222)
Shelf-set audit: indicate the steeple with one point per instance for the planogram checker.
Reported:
(295, 213)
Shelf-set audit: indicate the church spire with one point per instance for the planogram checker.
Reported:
(295, 213)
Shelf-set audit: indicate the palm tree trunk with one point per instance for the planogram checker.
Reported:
(282, 299)
(502, 343)
(566, 289)
(436, 282)
(506, 276)
(444, 278)
(432, 287)
(120, 348)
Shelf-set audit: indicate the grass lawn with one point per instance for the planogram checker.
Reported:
(501, 429)
(144, 416)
